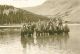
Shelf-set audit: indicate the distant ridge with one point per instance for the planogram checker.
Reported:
(70, 9)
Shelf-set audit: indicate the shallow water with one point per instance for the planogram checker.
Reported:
(11, 42)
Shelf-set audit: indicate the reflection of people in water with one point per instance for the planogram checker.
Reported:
(23, 42)
(66, 37)
(45, 41)
(26, 41)
(62, 40)
(54, 40)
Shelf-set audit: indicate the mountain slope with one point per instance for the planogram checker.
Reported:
(70, 9)
(11, 15)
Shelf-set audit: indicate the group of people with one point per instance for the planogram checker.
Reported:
(49, 27)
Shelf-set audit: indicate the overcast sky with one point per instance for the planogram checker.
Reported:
(22, 3)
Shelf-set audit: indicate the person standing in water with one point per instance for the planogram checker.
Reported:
(66, 28)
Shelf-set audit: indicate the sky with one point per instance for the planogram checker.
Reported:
(22, 3)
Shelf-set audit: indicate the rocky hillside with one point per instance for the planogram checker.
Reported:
(12, 15)
(67, 9)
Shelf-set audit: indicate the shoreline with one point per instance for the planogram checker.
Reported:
(20, 25)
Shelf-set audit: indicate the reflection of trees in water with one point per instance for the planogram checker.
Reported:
(57, 41)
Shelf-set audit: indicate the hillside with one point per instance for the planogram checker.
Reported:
(12, 15)
(67, 9)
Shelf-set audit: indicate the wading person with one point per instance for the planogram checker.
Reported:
(66, 28)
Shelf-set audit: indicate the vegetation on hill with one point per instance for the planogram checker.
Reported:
(12, 15)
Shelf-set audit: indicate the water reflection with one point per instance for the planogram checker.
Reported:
(44, 42)
(34, 43)
(11, 42)
(6, 36)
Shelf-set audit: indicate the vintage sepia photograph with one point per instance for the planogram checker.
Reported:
(39, 26)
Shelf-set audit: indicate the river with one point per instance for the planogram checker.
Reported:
(12, 43)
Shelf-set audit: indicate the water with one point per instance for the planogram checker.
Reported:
(11, 42)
